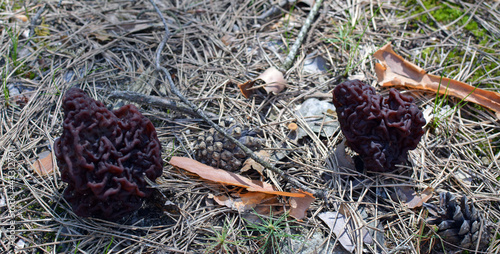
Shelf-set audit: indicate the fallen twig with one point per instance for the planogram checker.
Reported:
(250, 153)
(34, 20)
(151, 100)
(303, 31)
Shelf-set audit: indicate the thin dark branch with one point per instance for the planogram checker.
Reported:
(34, 20)
(250, 153)
(302, 34)
(151, 100)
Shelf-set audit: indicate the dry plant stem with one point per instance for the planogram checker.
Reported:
(34, 21)
(250, 153)
(303, 32)
(151, 100)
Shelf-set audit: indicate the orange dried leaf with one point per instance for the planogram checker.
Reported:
(225, 177)
(299, 206)
(394, 70)
(246, 202)
(44, 166)
(245, 88)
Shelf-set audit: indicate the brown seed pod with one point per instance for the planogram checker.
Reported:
(213, 149)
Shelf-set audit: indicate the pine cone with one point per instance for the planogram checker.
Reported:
(459, 223)
(213, 149)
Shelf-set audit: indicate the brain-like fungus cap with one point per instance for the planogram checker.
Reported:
(104, 157)
(380, 129)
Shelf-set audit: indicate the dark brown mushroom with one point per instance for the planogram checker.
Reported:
(104, 156)
(380, 129)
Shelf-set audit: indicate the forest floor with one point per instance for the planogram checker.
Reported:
(107, 47)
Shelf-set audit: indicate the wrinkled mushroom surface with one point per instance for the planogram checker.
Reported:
(381, 130)
(104, 156)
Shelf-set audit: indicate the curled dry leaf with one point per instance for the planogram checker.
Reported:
(252, 164)
(245, 88)
(337, 222)
(343, 159)
(228, 39)
(344, 227)
(394, 70)
(411, 198)
(247, 201)
(275, 82)
(299, 206)
(259, 193)
(273, 79)
(224, 177)
(44, 166)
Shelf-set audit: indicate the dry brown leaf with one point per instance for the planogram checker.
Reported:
(133, 27)
(394, 70)
(343, 159)
(228, 40)
(101, 36)
(299, 206)
(275, 82)
(344, 226)
(338, 223)
(245, 88)
(252, 164)
(225, 177)
(410, 197)
(44, 166)
(273, 79)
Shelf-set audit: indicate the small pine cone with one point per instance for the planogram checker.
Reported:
(213, 149)
(459, 223)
